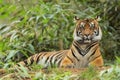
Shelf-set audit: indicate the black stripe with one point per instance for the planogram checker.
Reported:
(96, 58)
(47, 59)
(77, 44)
(43, 55)
(70, 59)
(92, 54)
(79, 50)
(25, 61)
(70, 66)
(60, 61)
(57, 58)
(74, 55)
(31, 60)
(89, 47)
(51, 58)
(38, 57)
(93, 43)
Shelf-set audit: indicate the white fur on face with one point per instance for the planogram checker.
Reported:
(75, 36)
(97, 38)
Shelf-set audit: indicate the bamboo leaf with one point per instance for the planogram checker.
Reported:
(11, 54)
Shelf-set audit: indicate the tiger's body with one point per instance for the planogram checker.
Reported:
(84, 50)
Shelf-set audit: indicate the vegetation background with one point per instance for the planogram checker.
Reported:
(28, 27)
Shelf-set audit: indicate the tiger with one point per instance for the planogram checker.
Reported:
(84, 50)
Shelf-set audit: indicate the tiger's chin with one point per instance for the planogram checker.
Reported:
(87, 41)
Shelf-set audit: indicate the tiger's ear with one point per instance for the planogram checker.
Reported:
(76, 18)
(97, 18)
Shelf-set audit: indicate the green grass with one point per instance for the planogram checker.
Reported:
(90, 73)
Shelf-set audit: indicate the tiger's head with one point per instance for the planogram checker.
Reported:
(87, 30)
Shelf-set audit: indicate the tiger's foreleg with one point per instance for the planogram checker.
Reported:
(67, 63)
(98, 62)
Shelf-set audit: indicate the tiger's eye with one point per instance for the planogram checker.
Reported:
(95, 32)
(92, 25)
(82, 25)
(79, 32)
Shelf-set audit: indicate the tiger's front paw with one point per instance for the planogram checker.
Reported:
(66, 63)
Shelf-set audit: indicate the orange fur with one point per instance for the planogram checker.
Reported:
(66, 63)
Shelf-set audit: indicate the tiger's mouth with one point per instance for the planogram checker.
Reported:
(87, 40)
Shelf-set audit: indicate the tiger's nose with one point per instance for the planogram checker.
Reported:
(87, 36)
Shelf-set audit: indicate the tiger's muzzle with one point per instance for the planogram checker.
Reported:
(87, 38)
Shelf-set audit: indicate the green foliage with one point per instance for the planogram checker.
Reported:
(29, 27)
(90, 74)
(110, 74)
(54, 76)
(117, 60)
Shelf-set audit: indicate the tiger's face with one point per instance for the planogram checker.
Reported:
(87, 30)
